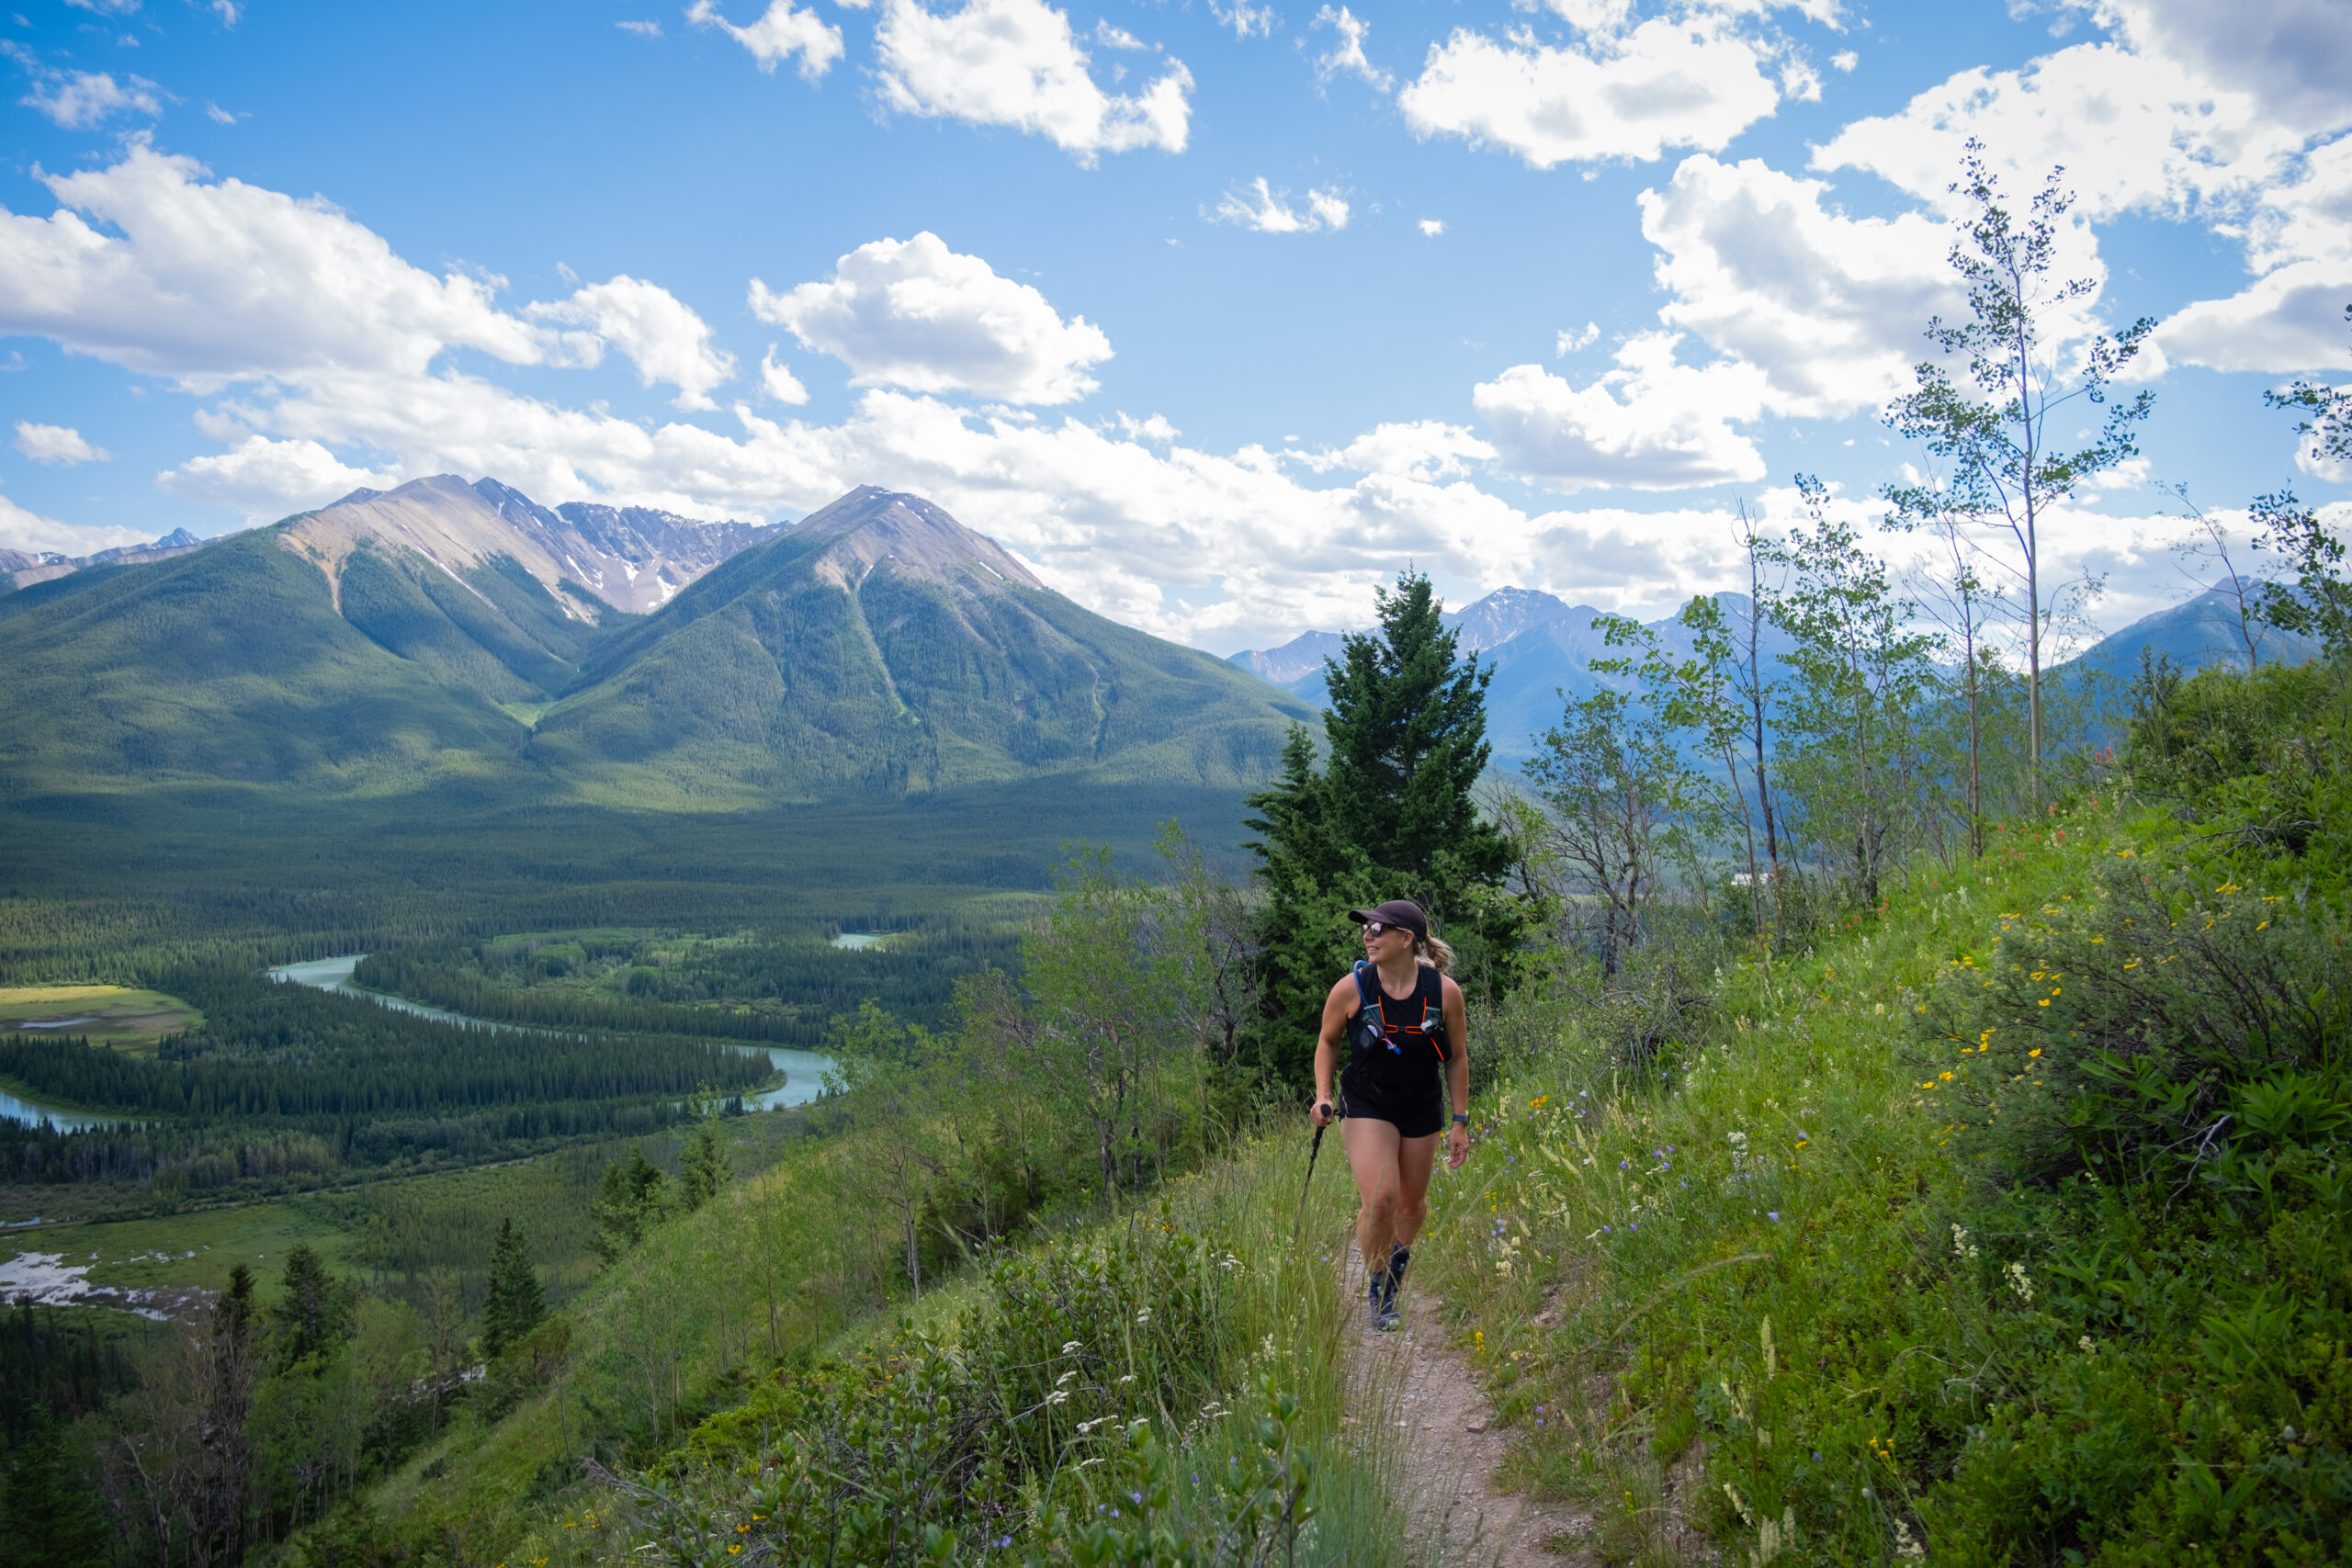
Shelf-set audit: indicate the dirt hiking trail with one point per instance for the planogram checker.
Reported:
(1414, 1385)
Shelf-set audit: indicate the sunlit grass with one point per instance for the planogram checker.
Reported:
(1706, 1297)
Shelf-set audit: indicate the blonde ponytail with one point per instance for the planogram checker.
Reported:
(1434, 951)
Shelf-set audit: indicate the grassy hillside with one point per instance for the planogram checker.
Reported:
(736, 1332)
(2007, 1224)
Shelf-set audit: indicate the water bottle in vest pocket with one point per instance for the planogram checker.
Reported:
(1366, 1029)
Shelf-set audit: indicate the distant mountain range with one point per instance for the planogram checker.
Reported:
(446, 632)
(1541, 649)
(22, 569)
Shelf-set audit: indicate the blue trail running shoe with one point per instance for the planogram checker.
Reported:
(1384, 1315)
(1383, 1298)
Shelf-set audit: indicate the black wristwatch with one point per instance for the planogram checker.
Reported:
(1462, 1119)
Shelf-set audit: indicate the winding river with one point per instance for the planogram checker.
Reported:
(33, 1113)
(804, 1071)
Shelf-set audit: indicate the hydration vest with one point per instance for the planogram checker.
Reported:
(1370, 1028)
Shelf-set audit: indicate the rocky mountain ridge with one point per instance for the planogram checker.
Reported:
(23, 568)
(445, 631)
(632, 558)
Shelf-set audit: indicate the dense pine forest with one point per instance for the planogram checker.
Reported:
(784, 989)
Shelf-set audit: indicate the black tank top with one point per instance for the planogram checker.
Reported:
(1397, 1047)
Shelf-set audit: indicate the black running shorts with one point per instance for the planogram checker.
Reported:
(1415, 1115)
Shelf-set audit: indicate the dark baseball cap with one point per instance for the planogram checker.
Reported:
(1401, 912)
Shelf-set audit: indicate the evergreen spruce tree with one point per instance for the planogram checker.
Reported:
(49, 1514)
(703, 1167)
(516, 1305)
(1391, 815)
(313, 1311)
(224, 1494)
(630, 1202)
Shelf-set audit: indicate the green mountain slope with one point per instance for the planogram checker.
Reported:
(881, 646)
(238, 662)
(393, 642)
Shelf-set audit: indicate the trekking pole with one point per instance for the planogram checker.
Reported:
(1313, 1149)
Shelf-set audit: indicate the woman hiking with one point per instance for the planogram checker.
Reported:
(1398, 1025)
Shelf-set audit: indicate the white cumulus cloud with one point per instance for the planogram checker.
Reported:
(2190, 112)
(57, 444)
(1269, 211)
(2134, 132)
(663, 337)
(779, 381)
(1828, 308)
(1667, 82)
(918, 315)
(266, 479)
(1015, 63)
(781, 32)
(1432, 227)
(2294, 56)
(210, 283)
(1650, 424)
(1425, 449)
(21, 529)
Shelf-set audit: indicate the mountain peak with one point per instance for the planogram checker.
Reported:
(1504, 613)
(870, 525)
(633, 558)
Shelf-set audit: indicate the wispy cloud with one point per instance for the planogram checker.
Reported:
(1268, 211)
(1346, 56)
(81, 100)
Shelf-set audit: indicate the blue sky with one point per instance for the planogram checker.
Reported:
(1527, 295)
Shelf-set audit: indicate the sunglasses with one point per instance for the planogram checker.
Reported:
(1374, 927)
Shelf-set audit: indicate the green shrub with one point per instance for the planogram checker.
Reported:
(2145, 1031)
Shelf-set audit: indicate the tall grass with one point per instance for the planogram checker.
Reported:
(1198, 1340)
(1713, 1303)
(1853, 1283)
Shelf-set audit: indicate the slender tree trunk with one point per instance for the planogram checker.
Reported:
(1975, 743)
(1756, 703)
(1747, 833)
(2032, 555)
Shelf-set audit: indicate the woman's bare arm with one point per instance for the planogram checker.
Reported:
(1337, 1008)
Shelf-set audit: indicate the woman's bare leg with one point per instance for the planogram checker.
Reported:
(1372, 1154)
(1416, 1158)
